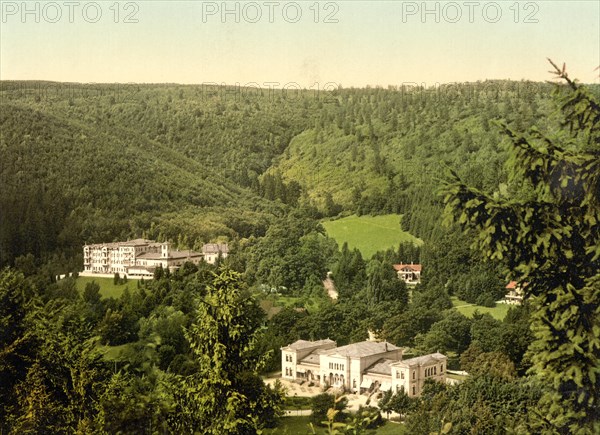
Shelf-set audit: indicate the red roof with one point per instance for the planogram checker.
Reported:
(414, 267)
(514, 284)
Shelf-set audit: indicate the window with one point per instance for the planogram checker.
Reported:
(414, 391)
(435, 370)
(401, 375)
(441, 368)
(397, 375)
(413, 376)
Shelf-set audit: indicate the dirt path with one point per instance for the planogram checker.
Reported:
(330, 287)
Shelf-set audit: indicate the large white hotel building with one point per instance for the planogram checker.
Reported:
(140, 257)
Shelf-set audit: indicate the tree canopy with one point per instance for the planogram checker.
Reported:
(547, 234)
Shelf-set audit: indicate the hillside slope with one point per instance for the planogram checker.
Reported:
(65, 182)
(387, 150)
(186, 163)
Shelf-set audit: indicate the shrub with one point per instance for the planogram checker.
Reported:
(323, 403)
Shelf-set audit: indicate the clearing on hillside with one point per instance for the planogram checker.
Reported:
(369, 233)
(498, 312)
(107, 287)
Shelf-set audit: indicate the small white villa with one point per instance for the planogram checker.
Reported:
(360, 367)
(409, 273)
(514, 293)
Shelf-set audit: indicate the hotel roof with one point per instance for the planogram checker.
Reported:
(173, 255)
(215, 248)
(305, 344)
(382, 367)
(413, 267)
(362, 349)
(134, 242)
(314, 357)
(422, 360)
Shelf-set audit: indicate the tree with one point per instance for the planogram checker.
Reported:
(402, 329)
(91, 293)
(547, 233)
(385, 403)
(517, 336)
(323, 403)
(401, 403)
(452, 333)
(62, 385)
(226, 396)
(486, 332)
(384, 285)
(15, 339)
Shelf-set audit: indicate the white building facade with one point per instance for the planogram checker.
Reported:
(514, 293)
(212, 251)
(139, 257)
(360, 367)
(410, 375)
(409, 273)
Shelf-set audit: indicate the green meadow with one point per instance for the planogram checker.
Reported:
(369, 233)
(467, 309)
(107, 287)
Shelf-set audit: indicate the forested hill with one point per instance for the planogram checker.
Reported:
(67, 179)
(100, 162)
(386, 150)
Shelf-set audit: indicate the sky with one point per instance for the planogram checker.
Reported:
(308, 44)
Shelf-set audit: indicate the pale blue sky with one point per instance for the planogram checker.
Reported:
(372, 43)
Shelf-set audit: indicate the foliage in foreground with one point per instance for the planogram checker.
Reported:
(226, 395)
(54, 379)
(547, 233)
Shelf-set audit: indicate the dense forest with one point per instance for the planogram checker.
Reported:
(88, 164)
(498, 161)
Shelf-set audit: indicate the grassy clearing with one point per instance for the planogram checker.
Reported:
(272, 304)
(498, 312)
(312, 304)
(107, 288)
(369, 233)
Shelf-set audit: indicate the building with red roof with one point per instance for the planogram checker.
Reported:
(409, 273)
(514, 294)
